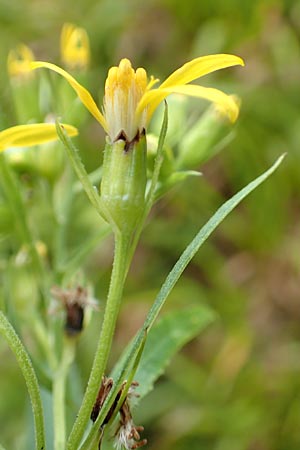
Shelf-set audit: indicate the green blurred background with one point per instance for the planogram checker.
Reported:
(237, 387)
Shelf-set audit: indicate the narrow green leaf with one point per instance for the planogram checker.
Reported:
(30, 377)
(79, 168)
(165, 339)
(158, 160)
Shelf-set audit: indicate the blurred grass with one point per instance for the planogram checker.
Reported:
(237, 387)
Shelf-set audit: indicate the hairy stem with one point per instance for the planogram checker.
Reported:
(59, 394)
(120, 265)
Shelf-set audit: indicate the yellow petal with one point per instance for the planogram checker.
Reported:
(82, 93)
(226, 103)
(27, 135)
(199, 67)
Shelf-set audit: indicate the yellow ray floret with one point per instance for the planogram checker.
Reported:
(198, 67)
(28, 135)
(82, 93)
(194, 69)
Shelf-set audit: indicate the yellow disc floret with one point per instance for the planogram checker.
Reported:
(124, 88)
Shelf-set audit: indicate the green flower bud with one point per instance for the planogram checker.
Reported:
(203, 140)
(48, 160)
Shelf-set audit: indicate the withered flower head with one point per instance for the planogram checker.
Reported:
(74, 301)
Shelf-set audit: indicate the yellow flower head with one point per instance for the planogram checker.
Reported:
(18, 61)
(74, 47)
(130, 98)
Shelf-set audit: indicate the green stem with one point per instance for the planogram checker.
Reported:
(42, 337)
(59, 422)
(59, 394)
(120, 265)
(30, 377)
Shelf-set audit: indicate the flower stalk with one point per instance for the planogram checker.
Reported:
(120, 264)
(59, 394)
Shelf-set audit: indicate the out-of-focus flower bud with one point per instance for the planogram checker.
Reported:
(75, 47)
(208, 136)
(18, 62)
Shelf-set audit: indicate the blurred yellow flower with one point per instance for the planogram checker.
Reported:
(18, 61)
(34, 134)
(130, 99)
(74, 47)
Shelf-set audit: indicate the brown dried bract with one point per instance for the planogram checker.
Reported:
(127, 434)
(106, 385)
